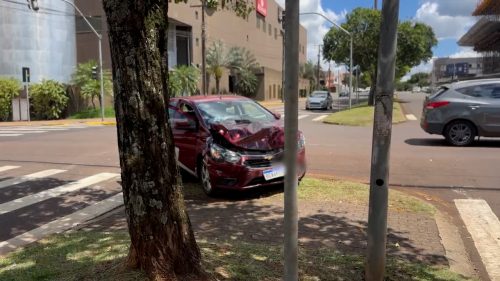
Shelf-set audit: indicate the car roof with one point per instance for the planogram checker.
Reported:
(210, 98)
(466, 83)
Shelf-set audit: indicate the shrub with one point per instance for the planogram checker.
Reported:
(9, 88)
(48, 99)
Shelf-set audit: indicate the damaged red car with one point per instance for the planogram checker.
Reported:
(230, 142)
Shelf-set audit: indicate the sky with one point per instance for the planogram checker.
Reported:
(450, 19)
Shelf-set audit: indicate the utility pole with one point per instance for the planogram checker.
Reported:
(350, 76)
(319, 68)
(375, 5)
(381, 143)
(291, 131)
(203, 48)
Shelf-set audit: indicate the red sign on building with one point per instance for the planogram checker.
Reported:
(261, 7)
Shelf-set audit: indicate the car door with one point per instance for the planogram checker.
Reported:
(185, 129)
(483, 105)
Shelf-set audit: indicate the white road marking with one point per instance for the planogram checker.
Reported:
(22, 129)
(62, 224)
(54, 192)
(34, 176)
(303, 116)
(411, 117)
(10, 135)
(24, 132)
(6, 168)
(320, 118)
(484, 227)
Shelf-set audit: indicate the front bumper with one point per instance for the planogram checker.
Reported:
(243, 176)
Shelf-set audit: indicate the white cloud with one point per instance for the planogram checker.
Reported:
(316, 26)
(445, 25)
(422, 67)
(454, 7)
(465, 52)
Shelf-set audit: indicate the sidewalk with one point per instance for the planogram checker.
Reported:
(62, 122)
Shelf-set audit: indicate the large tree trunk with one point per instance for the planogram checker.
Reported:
(217, 85)
(162, 241)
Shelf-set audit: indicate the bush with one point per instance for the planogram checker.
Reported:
(9, 88)
(90, 88)
(48, 99)
(183, 80)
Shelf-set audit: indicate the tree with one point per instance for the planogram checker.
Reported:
(9, 89)
(217, 60)
(183, 80)
(415, 42)
(243, 65)
(308, 71)
(49, 99)
(162, 240)
(421, 79)
(90, 88)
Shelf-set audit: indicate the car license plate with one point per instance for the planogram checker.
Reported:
(276, 172)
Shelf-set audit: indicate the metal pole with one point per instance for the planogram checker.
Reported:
(203, 48)
(350, 77)
(101, 77)
(319, 69)
(381, 144)
(357, 85)
(28, 101)
(291, 130)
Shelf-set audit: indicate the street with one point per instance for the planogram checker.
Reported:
(55, 174)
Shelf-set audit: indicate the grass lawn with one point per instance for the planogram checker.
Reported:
(362, 116)
(109, 112)
(101, 256)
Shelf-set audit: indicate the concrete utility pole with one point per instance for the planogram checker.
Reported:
(291, 131)
(203, 48)
(381, 144)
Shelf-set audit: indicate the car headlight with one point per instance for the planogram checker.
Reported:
(220, 153)
(302, 142)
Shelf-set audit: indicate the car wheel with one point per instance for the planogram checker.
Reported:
(460, 133)
(205, 179)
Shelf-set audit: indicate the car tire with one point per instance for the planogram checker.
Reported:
(460, 133)
(205, 180)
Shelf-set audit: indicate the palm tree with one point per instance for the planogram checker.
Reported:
(183, 80)
(216, 60)
(243, 66)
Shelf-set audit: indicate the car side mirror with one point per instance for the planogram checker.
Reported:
(189, 125)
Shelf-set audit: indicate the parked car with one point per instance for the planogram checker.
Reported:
(319, 100)
(230, 142)
(343, 94)
(462, 111)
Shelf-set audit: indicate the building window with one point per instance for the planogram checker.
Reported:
(275, 33)
(247, 38)
(81, 26)
(264, 25)
(270, 93)
(258, 22)
(270, 29)
(196, 14)
(274, 90)
(197, 42)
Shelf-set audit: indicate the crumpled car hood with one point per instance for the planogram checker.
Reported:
(252, 136)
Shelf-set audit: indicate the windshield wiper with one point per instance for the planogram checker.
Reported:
(242, 121)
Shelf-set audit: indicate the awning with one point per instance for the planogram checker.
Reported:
(487, 7)
(484, 36)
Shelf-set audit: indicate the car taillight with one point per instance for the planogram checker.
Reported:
(436, 104)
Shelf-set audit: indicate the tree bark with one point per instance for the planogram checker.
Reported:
(162, 240)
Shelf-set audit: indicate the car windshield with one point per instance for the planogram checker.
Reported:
(318, 94)
(239, 111)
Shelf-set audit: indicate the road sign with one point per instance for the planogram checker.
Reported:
(26, 74)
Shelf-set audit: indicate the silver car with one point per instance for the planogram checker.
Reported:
(464, 110)
(319, 100)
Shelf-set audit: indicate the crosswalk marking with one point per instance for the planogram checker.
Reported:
(484, 227)
(320, 118)
(411, 117)
(24, 132)
(38, 175)
(62, 224)
(303, 116)
(54, 192)
(6, 168)
(10, 135)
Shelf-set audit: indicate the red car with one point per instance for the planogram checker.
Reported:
(230, 142)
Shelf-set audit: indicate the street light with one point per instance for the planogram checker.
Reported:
(99, 36)
(350, 35)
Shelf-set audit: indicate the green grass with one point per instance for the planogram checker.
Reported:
(314, 190)
(362, 116)
(101, 256)
(109, 112)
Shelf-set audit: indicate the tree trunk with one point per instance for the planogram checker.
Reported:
(93, 104)
(162, 240)
(217, 85)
